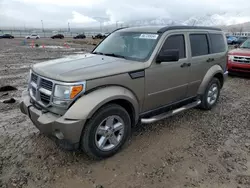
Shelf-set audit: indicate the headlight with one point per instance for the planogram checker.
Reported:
(63, 94)
(68, 92)
(231, 57)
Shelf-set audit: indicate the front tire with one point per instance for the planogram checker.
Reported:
(106, 132)
(211, 95)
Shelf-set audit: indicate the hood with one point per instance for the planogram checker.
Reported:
(84, 67)
(240, 51)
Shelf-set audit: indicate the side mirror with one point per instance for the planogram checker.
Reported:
(168, 55)
(236, 46)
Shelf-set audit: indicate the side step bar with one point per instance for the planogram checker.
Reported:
(170, 113)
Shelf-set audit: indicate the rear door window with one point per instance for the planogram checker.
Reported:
(217, 43)
(199, 44)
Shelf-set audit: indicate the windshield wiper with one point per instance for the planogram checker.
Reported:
(115, 55)
(99, 53)
(109, 54)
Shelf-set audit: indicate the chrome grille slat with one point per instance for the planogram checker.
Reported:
(33, 91)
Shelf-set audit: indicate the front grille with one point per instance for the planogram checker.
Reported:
(33, 91)
(41, 89)
(34, 78)
(46, 84)
(242, 59)
(45, 98)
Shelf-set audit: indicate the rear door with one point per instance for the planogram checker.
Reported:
(199, 54)
(206, 50)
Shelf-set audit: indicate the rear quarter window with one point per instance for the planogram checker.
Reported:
(217, 43)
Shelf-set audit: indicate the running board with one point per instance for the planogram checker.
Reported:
(170, 113)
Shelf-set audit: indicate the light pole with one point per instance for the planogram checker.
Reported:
(43, 28)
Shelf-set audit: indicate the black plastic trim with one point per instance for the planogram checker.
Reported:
(137, 74)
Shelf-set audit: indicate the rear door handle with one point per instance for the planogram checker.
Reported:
(210, 60)
(185, 65)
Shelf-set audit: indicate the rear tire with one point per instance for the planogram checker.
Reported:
(211, 95)
(106, 132)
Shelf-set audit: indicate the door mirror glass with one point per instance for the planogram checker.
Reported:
(168, 55)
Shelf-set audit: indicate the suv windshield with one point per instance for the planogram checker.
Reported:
(246, 44)
(128, 45)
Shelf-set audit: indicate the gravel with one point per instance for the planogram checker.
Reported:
(193, 149)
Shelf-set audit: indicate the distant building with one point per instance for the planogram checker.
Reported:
(238, 34)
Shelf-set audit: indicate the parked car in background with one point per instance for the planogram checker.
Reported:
(6, 36)
(80, 36)
(239, 58)
(100, 36)
(33, 36)
(240, 40)
(231, 40)
(57, 36)
(136, 75)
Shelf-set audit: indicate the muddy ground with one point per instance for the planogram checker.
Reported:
(194, 149)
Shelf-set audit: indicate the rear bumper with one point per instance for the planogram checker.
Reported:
(238, 67)
(66, 133)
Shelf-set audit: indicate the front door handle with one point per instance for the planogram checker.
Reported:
(210, 60)
(185, 65)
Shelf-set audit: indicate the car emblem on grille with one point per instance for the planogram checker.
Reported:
(244, 59)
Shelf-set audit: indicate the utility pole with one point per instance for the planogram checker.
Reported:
(68, 27)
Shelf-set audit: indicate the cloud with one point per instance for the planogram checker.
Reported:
(57, 13)
(81, 19)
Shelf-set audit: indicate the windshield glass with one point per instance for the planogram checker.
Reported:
(246, 44)
(129, 45)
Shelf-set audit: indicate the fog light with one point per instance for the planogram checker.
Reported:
(60, 102)
(58, 134)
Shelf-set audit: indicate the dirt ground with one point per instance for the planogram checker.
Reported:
(194, 149)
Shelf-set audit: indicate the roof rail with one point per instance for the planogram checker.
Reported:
(167, 28)
(119, 29)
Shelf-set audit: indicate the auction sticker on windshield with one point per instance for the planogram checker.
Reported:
(148, 36)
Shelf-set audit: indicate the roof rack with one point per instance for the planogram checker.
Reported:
(118, 29)
(167, 28)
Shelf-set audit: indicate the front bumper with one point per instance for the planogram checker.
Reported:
(65, 132)
(238, 67)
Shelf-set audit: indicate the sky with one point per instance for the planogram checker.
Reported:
(87, 13)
